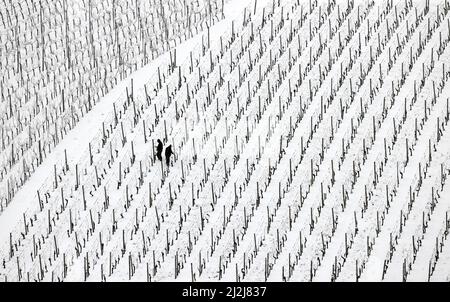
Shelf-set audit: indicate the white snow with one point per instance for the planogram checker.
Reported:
(229, 207)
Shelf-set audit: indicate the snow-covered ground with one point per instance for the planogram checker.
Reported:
(310, 144)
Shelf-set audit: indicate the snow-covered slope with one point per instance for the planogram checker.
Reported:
(310, 144)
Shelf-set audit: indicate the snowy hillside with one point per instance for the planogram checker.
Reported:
(310, 140)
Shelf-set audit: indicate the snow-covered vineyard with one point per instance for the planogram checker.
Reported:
(310, 140)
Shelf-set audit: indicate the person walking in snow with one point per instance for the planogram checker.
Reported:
(159, 150)
(168, 154)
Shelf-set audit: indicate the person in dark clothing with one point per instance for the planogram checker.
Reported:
(168, 154)
(159, 150)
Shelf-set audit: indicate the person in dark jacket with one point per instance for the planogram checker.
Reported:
(168, 154)
(159, 150)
